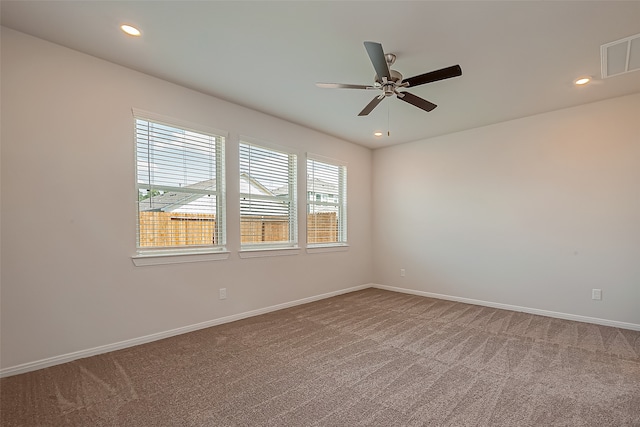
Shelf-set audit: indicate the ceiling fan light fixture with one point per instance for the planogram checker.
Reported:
(131, 30)
(581, 81)
(377, 134)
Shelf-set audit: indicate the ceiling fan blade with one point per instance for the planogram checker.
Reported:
(370, 106)
(417, 101)
(344, 86)
(434, 76)
(376, 54)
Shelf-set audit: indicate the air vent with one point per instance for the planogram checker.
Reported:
(620, 56)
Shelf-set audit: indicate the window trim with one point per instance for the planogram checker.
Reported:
(343, 243)
(162, 257)
(321, 248)
(168, 255)
(268, 251)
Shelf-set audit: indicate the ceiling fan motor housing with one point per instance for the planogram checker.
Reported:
(390, 85)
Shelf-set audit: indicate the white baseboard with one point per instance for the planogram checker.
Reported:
(565, 316)
(69, 357)
(64, 358)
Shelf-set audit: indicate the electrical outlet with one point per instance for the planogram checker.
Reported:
(223, 293)
(596, 294)
(402, 272)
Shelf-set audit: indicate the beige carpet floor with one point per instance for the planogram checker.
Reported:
(372, 357)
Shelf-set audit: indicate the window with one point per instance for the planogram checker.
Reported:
(180, 182)
(267, 197)
(326, 202)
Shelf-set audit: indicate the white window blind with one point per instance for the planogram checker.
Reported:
(326, 202)
(180, 181)
(267, 197)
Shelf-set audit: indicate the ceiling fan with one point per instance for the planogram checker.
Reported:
(390, 81)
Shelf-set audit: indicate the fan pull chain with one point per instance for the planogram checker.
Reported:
(388, 121)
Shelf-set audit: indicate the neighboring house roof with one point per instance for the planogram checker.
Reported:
(179, 202)
(319, 186)
(249, 185)
(173, 201)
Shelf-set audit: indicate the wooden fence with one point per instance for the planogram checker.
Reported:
(162, 229)
(322, 227)
(257, 229)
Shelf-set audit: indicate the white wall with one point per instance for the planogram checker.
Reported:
(68, 210)
(532, 212)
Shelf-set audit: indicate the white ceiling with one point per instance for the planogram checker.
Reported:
(518, 58)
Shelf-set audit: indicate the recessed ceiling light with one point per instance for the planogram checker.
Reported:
(132, 31)
(581, 81)
(377, 134)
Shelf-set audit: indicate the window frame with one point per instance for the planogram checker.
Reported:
(189, 253)
(289, 247)
(341, 204)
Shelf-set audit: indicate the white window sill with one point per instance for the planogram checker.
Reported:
(318, 249)
(264, 252)
(175, 257)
